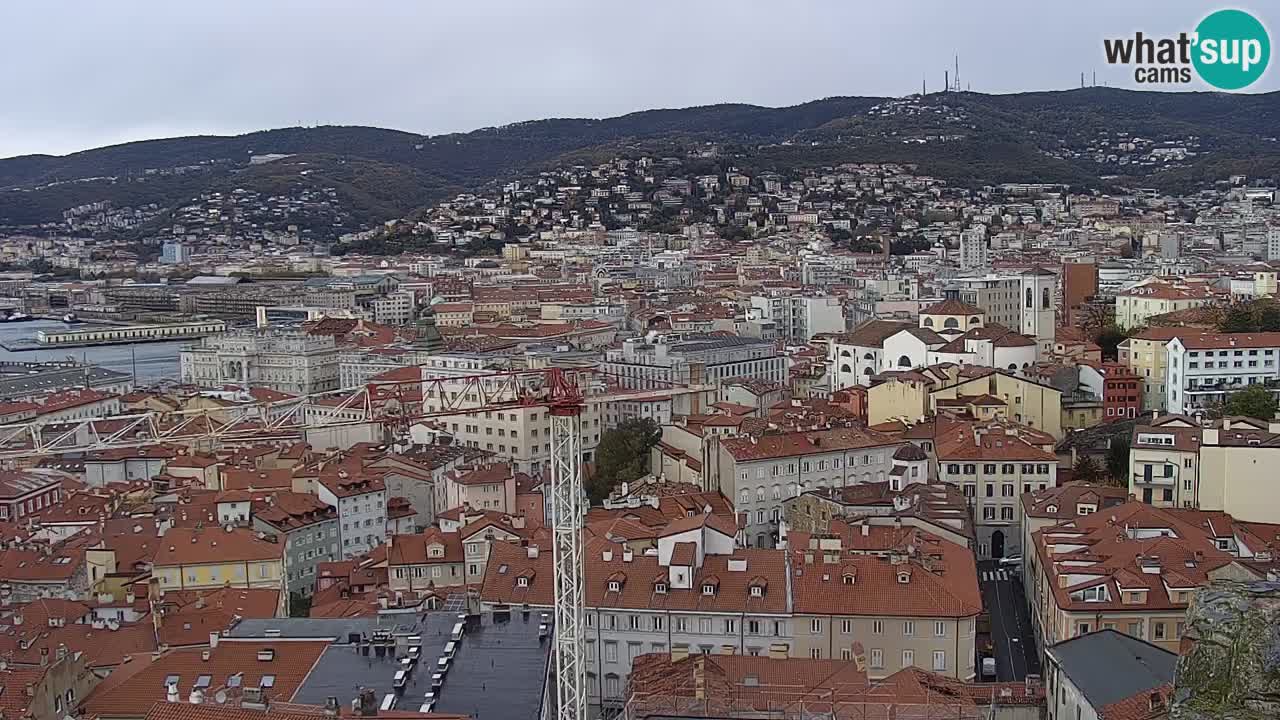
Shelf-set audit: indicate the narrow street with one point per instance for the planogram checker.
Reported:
(1011, 633)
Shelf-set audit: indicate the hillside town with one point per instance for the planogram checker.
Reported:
(851, 437)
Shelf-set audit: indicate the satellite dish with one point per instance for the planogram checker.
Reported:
(220, 697)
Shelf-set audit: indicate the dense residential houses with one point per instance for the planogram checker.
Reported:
(758, 473)
(853, 406)
(1134, 568)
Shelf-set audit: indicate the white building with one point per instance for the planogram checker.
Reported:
(799, 317)
(693, 359)
(393, 309)
(1039, 302)
(520, 436)
(1273, 244)
(361, 501)
(973, 248)
(283, 360)
(1204, 368)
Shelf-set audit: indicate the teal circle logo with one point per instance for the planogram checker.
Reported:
(1232, 49)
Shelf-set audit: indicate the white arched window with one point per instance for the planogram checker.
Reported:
(904, 361)
(951, 323)
(928, 322)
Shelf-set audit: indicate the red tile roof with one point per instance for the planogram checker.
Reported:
(804, 443)
(189, 546)
(291, 662)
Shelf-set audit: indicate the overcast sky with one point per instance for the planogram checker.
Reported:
(84, 74)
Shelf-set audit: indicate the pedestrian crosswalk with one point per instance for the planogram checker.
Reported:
(989, 575)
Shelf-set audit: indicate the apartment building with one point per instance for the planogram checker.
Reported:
(211, 558)
(24, 492)
(799, 317)
(1156, 297)
(1131, 568)
(1164, 462)
(1238, 461)
(993, 463)
(1135, 682)
(308, 530)
(1040, 509)
(759, 473)
(693, 359)
(1204, 368)
(488, 486)
(361, 501)
(911, 598)
(693, 592)
(519, 436)
(417, 565)
(983, 393)
(999, 297)
(1146, 354)
(938, 509)
(973, 248)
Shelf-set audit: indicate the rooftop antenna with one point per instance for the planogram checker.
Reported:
(924, 87)
(946, 80)
(1095, 78)
(957, 72)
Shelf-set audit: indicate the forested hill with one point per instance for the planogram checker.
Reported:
(1079, 136)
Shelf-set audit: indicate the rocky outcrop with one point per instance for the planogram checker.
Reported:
(1230, 664)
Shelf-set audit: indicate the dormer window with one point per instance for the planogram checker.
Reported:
(708, 589)
(522, 582)
(847, 578)
(614, 586)
(660, 588)
(757, 591)
(904, 576)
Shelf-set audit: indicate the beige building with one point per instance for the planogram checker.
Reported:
(214, 558)
(1146, 354)
(1041, 509)
(992, 464)
(1131, 568)
(484, 487)
(910, 597)
(1156, 297)
(916, 394)
(417, 565)
(1164, 462)
(1239, 463)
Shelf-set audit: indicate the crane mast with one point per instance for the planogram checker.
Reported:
(566, 523)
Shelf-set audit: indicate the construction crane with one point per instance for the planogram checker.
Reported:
(390, 404)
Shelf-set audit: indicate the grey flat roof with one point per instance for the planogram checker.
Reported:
(498, 671)
(1108, 666)
(13, 384)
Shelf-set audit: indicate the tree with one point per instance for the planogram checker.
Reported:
(1237, 318)
(1086, 469)
(622, 456)
(1118, 461)
(299, 605)
(1108, 338)
(1254, 401)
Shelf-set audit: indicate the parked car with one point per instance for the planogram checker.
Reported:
(1011, 561)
